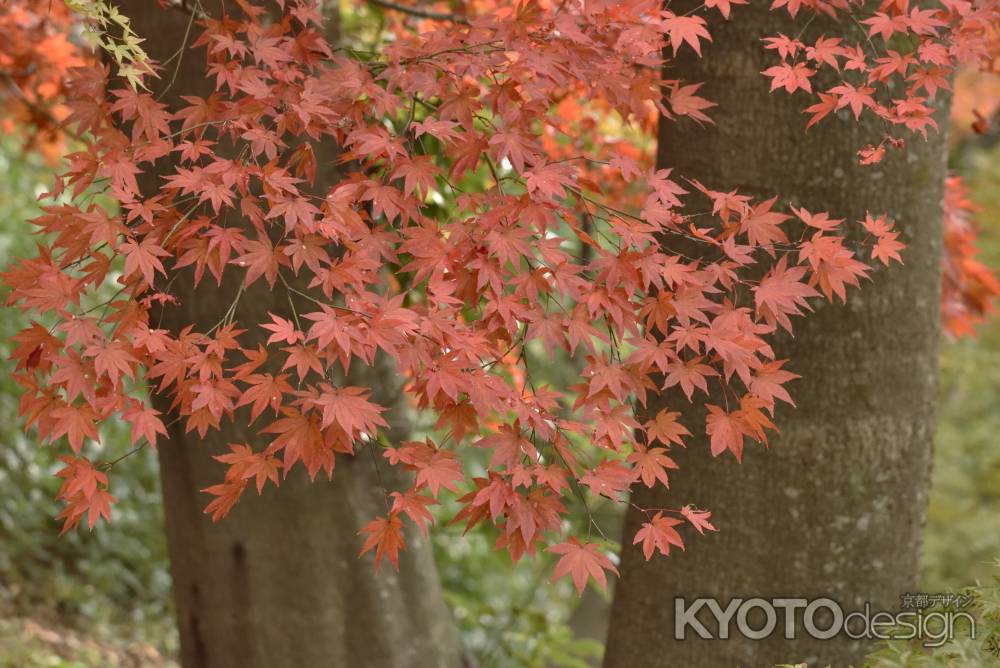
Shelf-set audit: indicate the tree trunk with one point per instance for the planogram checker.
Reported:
(279, 582)
(835, 507)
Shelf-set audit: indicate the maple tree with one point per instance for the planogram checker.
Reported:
(477, 218)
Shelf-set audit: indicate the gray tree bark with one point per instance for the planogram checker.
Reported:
(278, 582)
(835, 507)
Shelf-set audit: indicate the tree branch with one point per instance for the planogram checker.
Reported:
(33, 107)
(422, 13)
(183, 6)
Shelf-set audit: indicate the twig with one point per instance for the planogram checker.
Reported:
(422, 13)
(36, 109)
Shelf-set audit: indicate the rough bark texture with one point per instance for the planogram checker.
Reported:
(279, 583)
(835, 506)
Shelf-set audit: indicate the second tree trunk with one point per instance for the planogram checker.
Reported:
(834, 508)
(278, 582)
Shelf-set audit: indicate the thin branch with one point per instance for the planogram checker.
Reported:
(422, 13)
(182, 6)
(107, 466)
(179, 54)
(36, 109)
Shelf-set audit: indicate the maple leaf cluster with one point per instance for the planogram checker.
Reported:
(968, 287)
(549, 239)
(892, 60)
(36, 54)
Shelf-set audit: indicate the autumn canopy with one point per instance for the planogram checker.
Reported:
(477, 213)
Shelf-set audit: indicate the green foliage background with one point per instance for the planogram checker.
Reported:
(962, 538)
(113, 581)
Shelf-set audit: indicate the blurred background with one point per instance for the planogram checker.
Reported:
(102, 598)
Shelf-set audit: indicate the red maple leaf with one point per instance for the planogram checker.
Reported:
(244, 464)
(385, 536)
(414, 506)
(666, 429)
(790, 76)
(651, 465)
(698, 518)
(725, 430)
(685, 29)
(441, 470)
(143, 257)
(145, 422)
(582, 561)
(658, 534)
